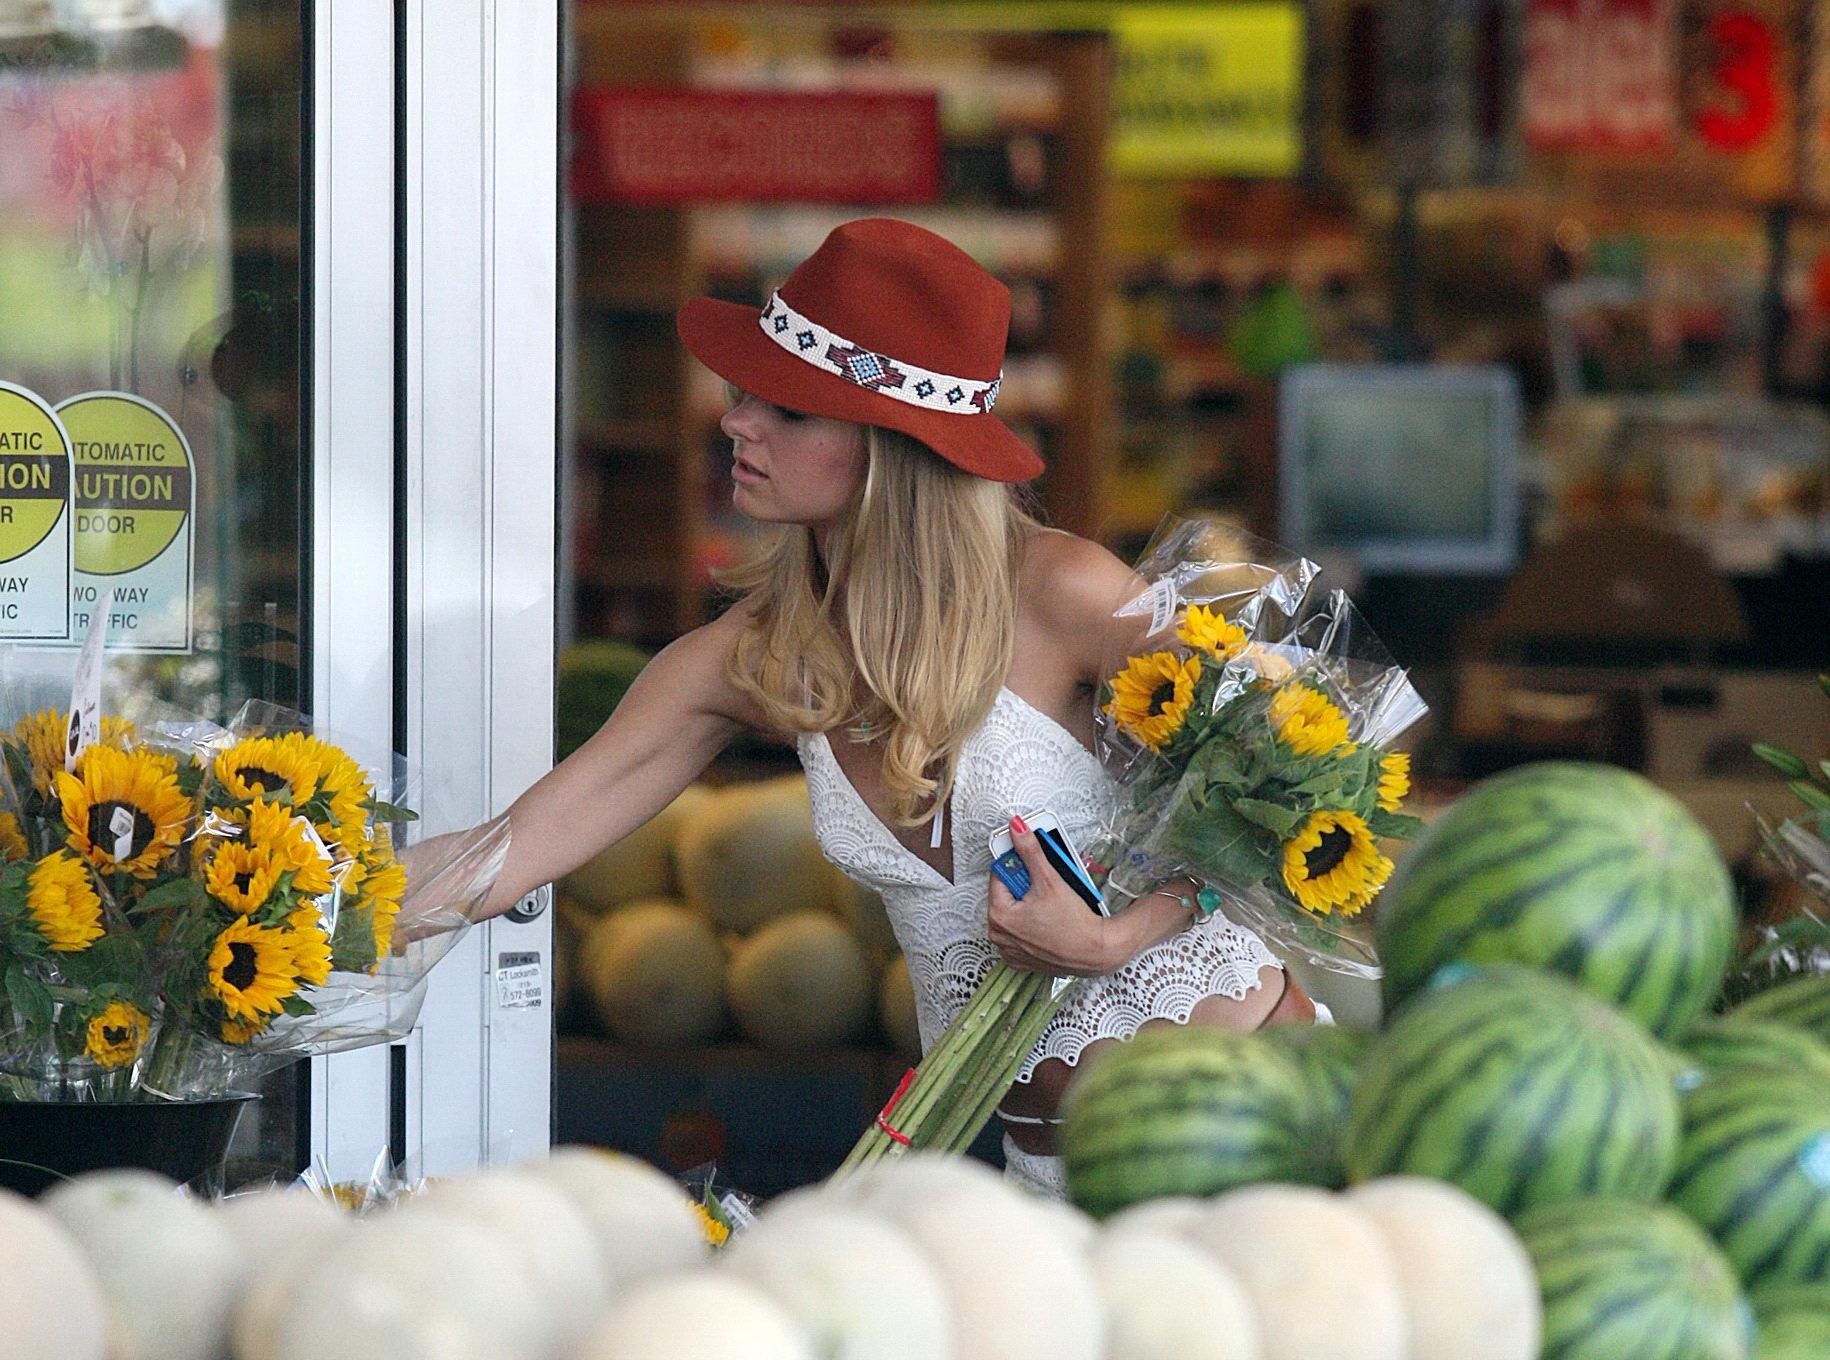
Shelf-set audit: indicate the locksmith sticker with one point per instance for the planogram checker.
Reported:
(35, 534)
(518, 982)
(134, 502)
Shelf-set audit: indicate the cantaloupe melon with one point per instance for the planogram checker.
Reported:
(555, 1250)
(51, 1303)
(865, 916)
(169, 1268)
(704, 1313)
(642, 864)
(272, 1285)
(748, 855)
(1166, 1299)
(1171, 1216)
(800, 982)
(856, 1283)
(262, 1220)
(896, 1007)
(643, 1222)
(1317, 1271)
(655, 974)
(1468, 1283)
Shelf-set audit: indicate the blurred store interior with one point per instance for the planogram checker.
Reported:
(1514, 315)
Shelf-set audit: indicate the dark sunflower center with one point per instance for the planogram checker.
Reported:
(1327, 856)
(241, 971)
(243, 881)
(262, 781)
(116, 1036)
(101, 829)
(1161, 697)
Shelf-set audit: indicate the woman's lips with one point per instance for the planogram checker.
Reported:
(743, 471)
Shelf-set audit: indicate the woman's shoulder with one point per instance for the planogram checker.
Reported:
(1070, 587)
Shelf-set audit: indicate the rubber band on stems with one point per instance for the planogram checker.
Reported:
(883, 1115)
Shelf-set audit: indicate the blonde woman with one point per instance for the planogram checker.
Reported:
(931, 649)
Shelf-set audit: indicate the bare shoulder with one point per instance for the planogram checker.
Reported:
(693, 668)
(1072, 586)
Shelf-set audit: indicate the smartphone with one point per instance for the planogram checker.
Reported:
(1008, 865)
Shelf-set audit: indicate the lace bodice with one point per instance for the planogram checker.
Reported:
(1018, 760)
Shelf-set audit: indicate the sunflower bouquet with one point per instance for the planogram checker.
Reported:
(184, 906)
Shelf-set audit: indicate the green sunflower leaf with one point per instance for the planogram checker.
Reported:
(179, 893)
(296, 1005)
(1279, 820)
(1810, 795)
(1398, 826)
(30, 998)
(1782, 760)
(390, 812)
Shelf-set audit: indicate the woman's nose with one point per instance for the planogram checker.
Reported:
(740, 421)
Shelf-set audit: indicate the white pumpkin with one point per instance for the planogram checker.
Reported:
(800, 982)
(259, 1220)
(857, 1285)
(1167, 1299)
(891, 1184)
(643, 1223)
(1468, 1283)
(273, 1283)
(399, 1286)
(748, 855)
(655, 974)
(1316, 1269)
(1019, 1290)
(641, 865)
(169, 1268)
(896, 1007)
(704, 1313)
(555, 1249)
(1173, 1215)
(51, 1303)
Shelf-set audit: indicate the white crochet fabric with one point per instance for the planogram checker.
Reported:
(1018, 760)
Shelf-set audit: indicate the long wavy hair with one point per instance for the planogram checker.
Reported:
(907, 634)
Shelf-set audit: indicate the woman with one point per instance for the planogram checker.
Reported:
(932, 649)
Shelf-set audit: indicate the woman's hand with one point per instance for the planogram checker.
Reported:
(1050, 929)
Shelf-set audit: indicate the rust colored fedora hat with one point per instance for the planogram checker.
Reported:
(885, 324)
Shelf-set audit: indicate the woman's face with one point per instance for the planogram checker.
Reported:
(790, 468)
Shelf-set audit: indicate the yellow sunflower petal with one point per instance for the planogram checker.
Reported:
(1152, 695)
(123, 810)
(63, 902)
(115, 1037)
(1206, 630)
(43, 734)
(310, 945)
(252, 970)
(1307, 722)
(1394, 780)
(12, 839)
(239, 1031)
(268, 767)
(1332, 863)
(242, 877)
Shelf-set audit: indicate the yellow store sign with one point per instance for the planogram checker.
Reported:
(1210, 90)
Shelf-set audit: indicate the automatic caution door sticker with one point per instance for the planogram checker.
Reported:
(34, 519)
(135, 494)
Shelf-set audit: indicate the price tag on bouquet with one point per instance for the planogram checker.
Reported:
(1160, 602)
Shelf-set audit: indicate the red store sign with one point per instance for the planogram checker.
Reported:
(673, 146)
(1600, 75)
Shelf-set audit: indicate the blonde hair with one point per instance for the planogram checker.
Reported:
(908, 633)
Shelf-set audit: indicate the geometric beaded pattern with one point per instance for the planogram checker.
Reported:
(808, 340)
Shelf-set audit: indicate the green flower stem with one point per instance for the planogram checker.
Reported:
(977, 1100)
(978, 1066)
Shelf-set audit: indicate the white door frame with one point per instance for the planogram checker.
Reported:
(478, 99)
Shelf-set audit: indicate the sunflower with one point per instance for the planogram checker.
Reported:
(12, 839)
(252, 970)
(124, 809)
(1307, 722)
(290, 840)
(238, 1031)
(117, 1035)
(269, 767)
(716, 1233)
(344, 784)
(1151, 696)
(64, 903)
(1206, 630)
(1394, 780)
(1331, 864)
(310, 945)
(242, 877)
(43, 735)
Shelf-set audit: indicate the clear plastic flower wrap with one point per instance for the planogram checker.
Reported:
(185, 906)
(1249, 722)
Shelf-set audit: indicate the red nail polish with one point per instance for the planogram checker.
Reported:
(1018, 825)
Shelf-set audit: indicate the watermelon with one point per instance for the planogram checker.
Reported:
(1793, 1322)
(1520, 1088)
(1803, 1003)
(1626, 1281)
(1754, 1171)
(1330, 1056)
(1187, 1110)
(1584, 870)
(1726, 1043)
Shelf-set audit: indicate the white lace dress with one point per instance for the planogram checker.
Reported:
(1018, 760)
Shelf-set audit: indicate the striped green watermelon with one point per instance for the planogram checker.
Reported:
(1520, 1088)
(1729, 1043)
(1330, 1057)
(1803, 1003)
(1626, 1281)
(1754, 1170)
(1187, 1110)
(1793, 1321)
(1584, 870)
